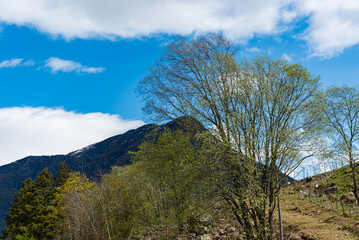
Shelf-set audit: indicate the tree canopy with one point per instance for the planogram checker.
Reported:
(339, 107)
(259, 108)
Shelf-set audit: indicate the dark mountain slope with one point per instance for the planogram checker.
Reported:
(93, 160)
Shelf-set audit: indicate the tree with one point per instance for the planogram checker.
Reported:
(340, 109)
(73, 199)
(258, 108)
(20, 210)
(29, 213)
(34, 213)
(167, 182)
(63, 173)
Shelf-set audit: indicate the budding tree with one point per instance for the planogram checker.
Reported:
(258, 108)
(340, 109)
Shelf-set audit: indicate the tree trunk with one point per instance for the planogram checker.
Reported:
(352, 166)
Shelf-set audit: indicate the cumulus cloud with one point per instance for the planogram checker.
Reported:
(46, 131)
(130, 18)
(59, 65)
(14, 62)
(332, 26)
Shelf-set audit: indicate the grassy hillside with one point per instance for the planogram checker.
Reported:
(302, 219)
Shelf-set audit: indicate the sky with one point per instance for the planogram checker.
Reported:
(68, 69)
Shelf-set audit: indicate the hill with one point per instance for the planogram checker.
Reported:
(305, 219)
(93, 160)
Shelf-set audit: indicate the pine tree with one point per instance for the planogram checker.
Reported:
(21, 210)
(43, 224)
(30, 213)
(63, 173)
(57, 206)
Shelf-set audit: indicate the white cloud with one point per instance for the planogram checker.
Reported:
(29, 63)
(46, 131)
(333, 25)
(14, 62)
(253, 50)
(60, 65)
(288, 57)
(130, 18)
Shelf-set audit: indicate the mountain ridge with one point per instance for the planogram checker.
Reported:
(94, 160)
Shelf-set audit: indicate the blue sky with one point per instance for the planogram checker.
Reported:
(68, 69)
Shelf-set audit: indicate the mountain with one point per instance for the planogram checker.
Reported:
(93, 160)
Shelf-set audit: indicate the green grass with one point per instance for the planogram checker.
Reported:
(341, 178)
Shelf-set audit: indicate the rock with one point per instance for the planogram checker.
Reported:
(350, 194)
(348, 197)
(330, 190)
(333, 198)
(294, 236)
(206, 237)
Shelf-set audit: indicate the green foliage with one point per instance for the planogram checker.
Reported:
(33, 213)
(258, 107)
(30, 213)
(340, 109)
(25, 236)
(72, 204)
(21, 210)
(112, 207)
(164, 185)
(63, 173)
(342, 178)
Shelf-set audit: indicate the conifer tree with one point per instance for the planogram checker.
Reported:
(21, 210)
(56, 206)
(43, 224)
(30, 213)
(63, 173)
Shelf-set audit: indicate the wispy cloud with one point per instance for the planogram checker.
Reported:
(288, 57)
(29, 63)
(252, 50)
(60, 65)
(14, 62)
(46, 131)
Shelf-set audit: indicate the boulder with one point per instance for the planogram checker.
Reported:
(330, 190)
